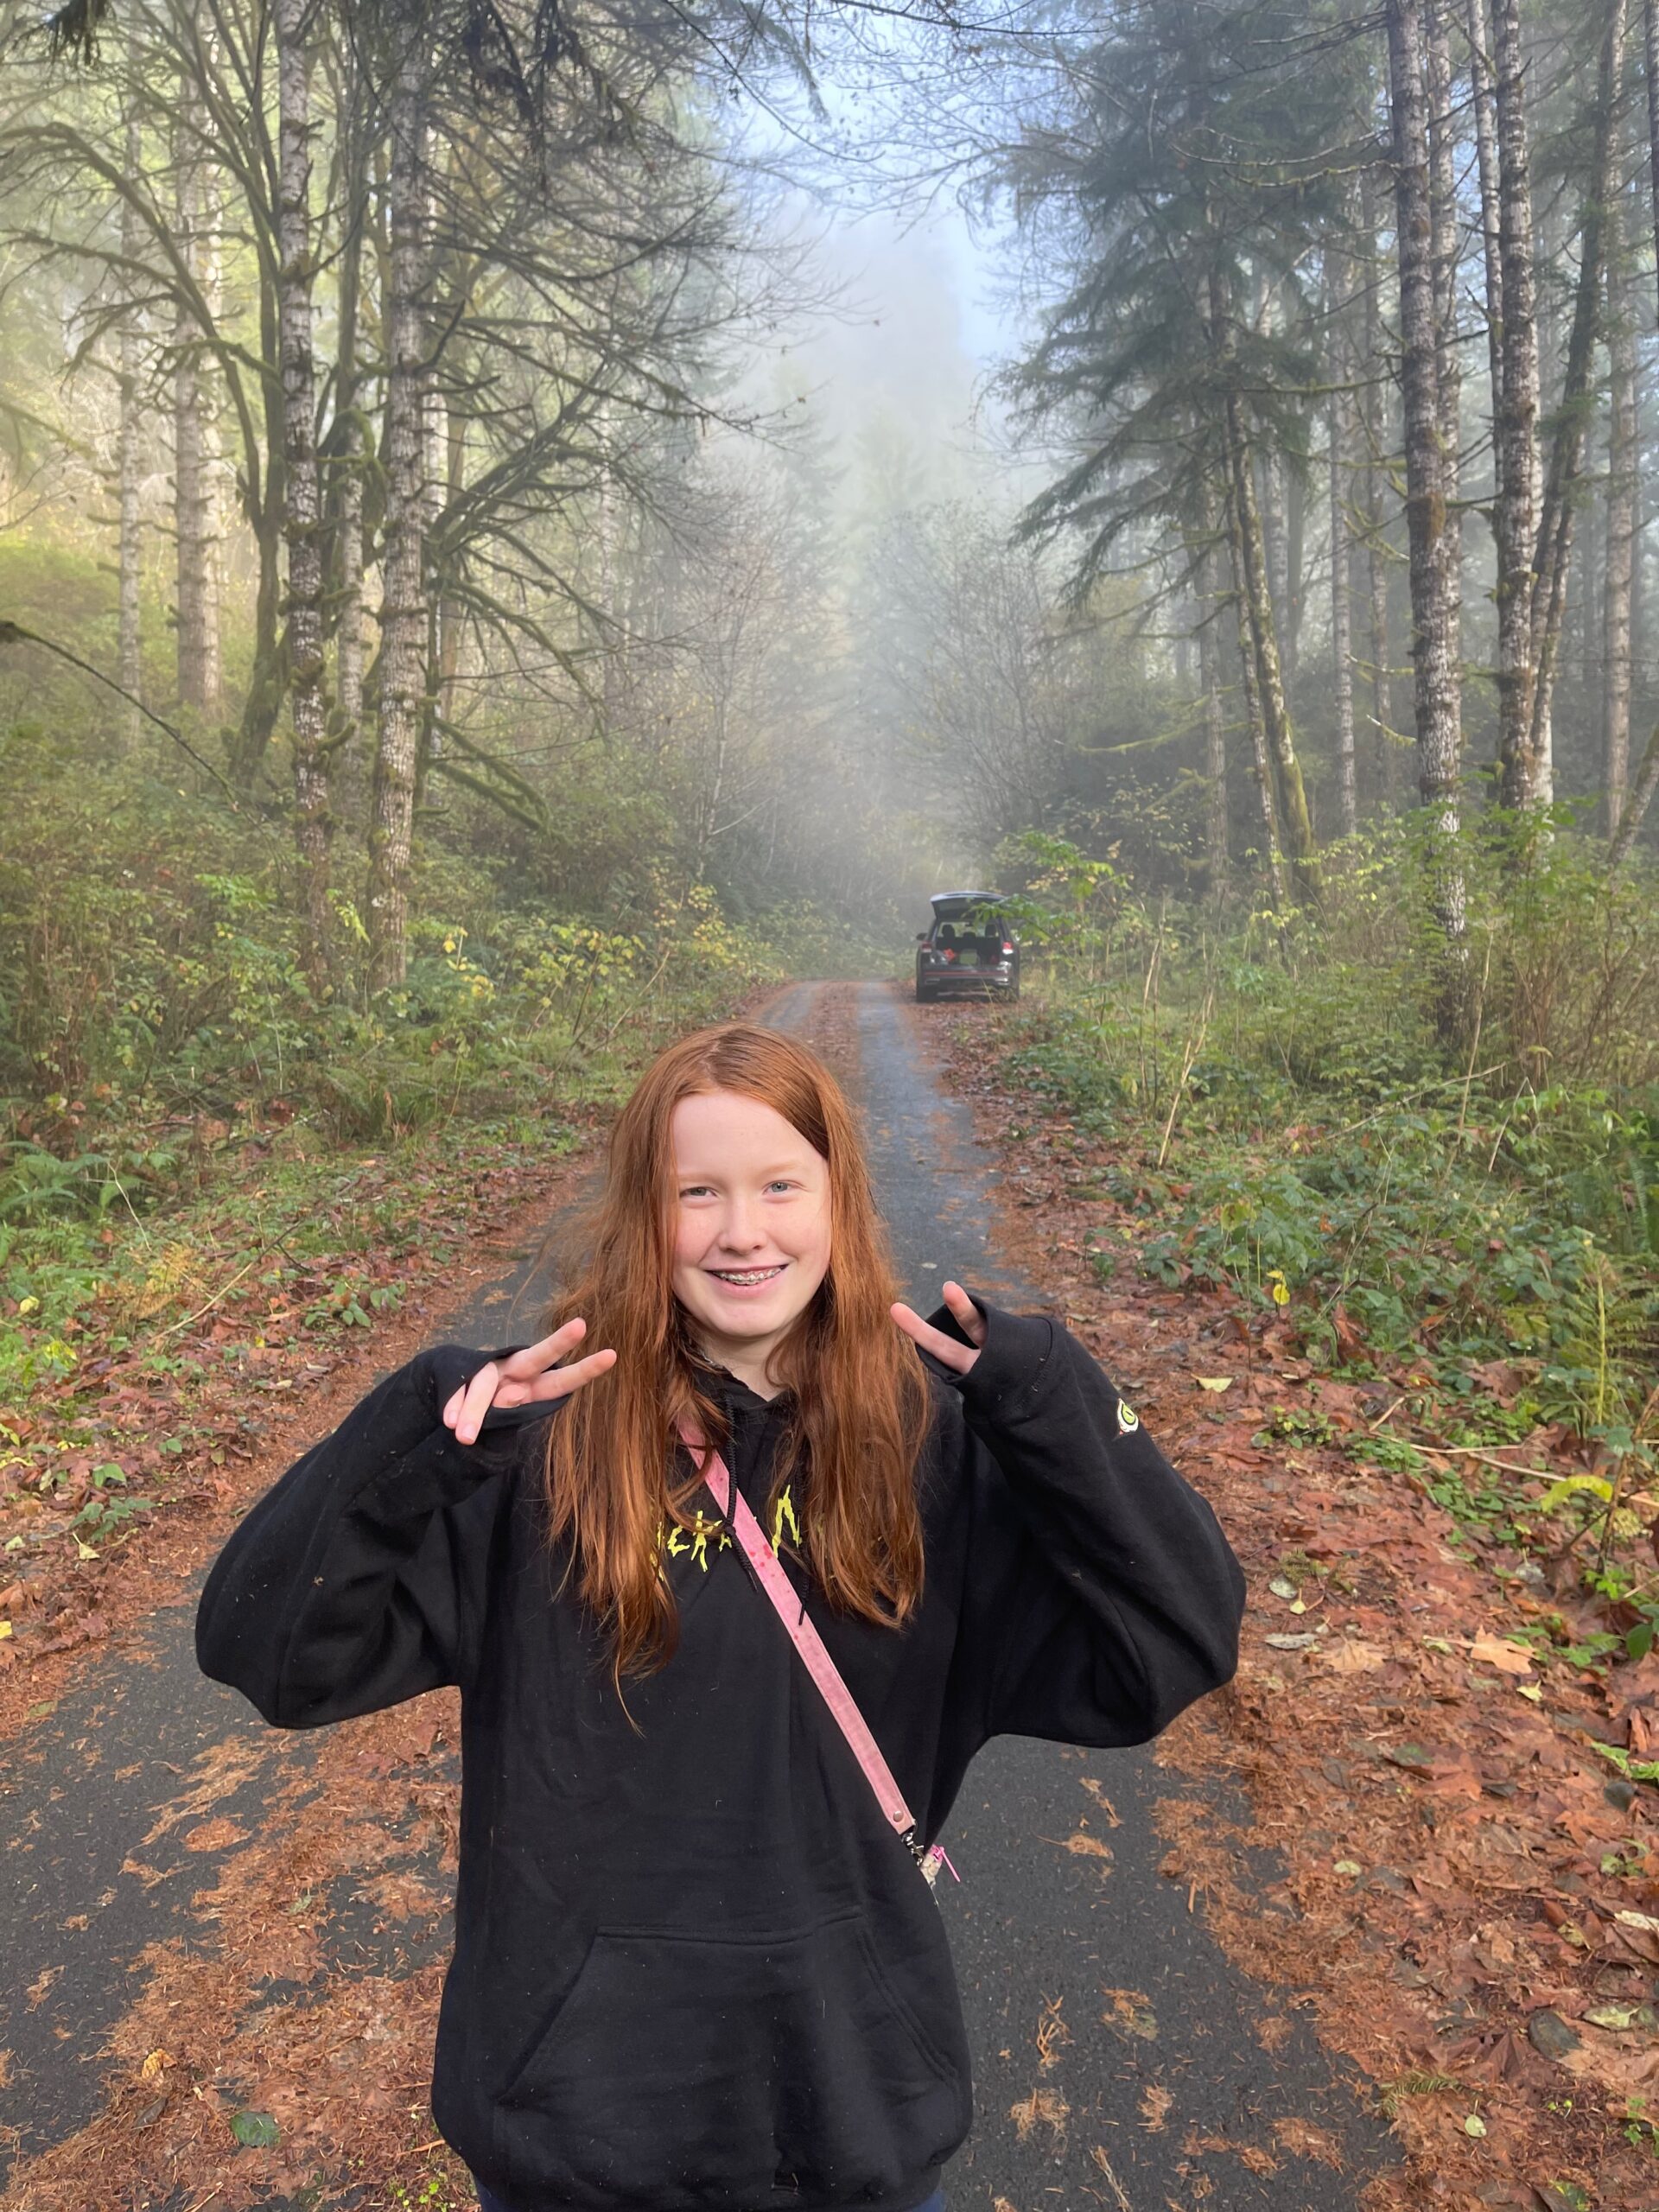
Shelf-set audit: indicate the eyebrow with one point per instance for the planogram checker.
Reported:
(707, 1175)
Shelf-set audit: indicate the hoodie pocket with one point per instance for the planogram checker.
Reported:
(684, 2071)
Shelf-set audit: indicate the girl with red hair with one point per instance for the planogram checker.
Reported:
(725, 1597)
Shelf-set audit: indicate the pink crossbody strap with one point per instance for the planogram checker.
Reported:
(792, 1612)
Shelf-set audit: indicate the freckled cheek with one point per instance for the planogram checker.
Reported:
(690, 1241)
(814, 1249)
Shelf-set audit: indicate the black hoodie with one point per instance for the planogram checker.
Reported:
(695, 1969)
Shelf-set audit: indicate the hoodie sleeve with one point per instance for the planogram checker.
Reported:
(1102, 1597)
(342, 1589)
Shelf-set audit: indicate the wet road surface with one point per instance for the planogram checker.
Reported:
(1094, 1963)
(1120, 2061)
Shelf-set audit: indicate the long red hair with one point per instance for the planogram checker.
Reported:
(860, 1406)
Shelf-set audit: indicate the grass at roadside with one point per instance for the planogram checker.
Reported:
(152, 1318)
(1405, 1344)
(1471, 1229)
(1482, 1260)
(1440, 1837)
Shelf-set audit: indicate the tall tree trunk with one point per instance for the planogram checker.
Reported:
(1638, 541)
(1339, 281)
(264, 505)
(302, 501)
(350, 456)
(1273, 501)
(1646, 775)
(1635, 805)
(1236, 467)
(1483, 102)
(349, 640)
(1445, 225)
(1567, 447)
(446, 452)
(1260, 765)
(1376, 423)
(1260, 659)
(1275, 536)
(195, 438)
(1622, 467)
(1215, 728)
(1342, 631)
(129, 658)
(404, 608)
(1515, 425)
(1433, 595)
(1295, 574)
(1297, 822)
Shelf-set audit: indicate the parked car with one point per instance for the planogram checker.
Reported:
(968, 948)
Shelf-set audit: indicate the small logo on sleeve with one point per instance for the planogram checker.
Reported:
(1127, 1418)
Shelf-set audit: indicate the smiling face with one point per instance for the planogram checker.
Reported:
(750, 1202)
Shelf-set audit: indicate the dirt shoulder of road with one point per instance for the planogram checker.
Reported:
(258, 1385)
(1459, 1887)
(70, 1610)
(278, 2038)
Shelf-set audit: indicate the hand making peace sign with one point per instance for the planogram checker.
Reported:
(528, 1377)
(968, 1320)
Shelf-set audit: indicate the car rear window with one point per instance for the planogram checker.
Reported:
(981, 921)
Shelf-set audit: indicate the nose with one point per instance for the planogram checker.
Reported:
(740, 1229)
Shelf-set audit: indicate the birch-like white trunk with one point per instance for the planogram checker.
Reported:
(1621, 490)
(303, 500)
(1431, 549)
(1445, 218)
(1375, 423)
(1483, 101)
(1515, 423)
(346, 771)
(1646, 779)
(1341, 444)
(1555, 541)
(404, 617)
(194, 448)
(349, 637)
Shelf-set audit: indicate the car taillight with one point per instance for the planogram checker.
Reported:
(1006, 946)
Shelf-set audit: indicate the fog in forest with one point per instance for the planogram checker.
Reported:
(530, 526)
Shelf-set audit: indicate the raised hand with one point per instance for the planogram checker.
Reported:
(533, 1375)
(946, 1349)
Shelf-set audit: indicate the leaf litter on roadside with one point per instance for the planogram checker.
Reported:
(1434, 1734)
